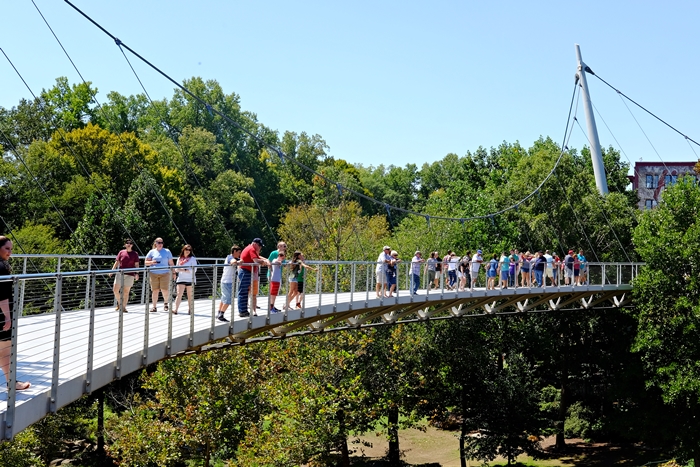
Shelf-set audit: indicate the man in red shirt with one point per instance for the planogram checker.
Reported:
(250, 258)
(126, 259)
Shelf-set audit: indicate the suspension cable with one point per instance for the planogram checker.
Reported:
(62, 132)
(602, 210)
(94, 98)
(284, 157)
(644, 109)
(179, 147)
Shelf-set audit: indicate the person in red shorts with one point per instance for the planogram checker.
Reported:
(276, 278)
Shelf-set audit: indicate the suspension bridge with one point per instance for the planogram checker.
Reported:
(69, 340)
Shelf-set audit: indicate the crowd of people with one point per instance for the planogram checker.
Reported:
(452, 272)
(509, 269)
(241, 265)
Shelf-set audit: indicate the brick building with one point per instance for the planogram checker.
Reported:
(650, 178)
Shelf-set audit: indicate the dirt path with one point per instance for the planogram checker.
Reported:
(441, 448)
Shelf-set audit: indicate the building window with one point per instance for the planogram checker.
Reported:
(649, 203)
(652, 181)
(670, 179)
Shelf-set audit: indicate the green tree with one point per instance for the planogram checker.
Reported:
(391, 371)
(667, 307)
(339, 233)
(318, 401)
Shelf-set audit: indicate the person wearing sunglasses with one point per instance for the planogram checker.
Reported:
(185, 277)
(126, 259)
(158, 259)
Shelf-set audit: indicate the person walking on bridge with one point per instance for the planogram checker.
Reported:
(6, 305)
(251, 259)
(126, 259)
(159, 259)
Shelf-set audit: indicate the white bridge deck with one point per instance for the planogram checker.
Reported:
(70, 353)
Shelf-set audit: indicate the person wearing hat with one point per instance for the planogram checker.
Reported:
(250, 259)
(415, 271)
(477, 259)
(382, 261)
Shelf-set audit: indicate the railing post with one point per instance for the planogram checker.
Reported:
(619, 273)
(56, 344)
(303, 298)
(22, 286)
(87, 286)
(143, 288)
(190, 308)
(319, 287)
(12, 377)
(169, 344)
(234, 299)
(352, 283)
(335, 300)
(214, 290)
(368, 284)
(269, 292)
(602, 267)
(147, 319)
(91, 335)
(120, 329)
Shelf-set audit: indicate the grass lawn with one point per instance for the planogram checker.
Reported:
(438, 448)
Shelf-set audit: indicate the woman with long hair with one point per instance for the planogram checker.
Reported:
(296, 279)
(185, 277)
(6, 303)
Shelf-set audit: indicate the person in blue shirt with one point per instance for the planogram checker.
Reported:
(491, 273)
(158, 259)
(583, 268)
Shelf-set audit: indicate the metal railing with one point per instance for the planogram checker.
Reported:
(68, 308)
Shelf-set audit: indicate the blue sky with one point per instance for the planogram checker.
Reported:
(388, 82)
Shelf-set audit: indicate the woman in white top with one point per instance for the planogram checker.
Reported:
(185, 277)
(231, 264)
